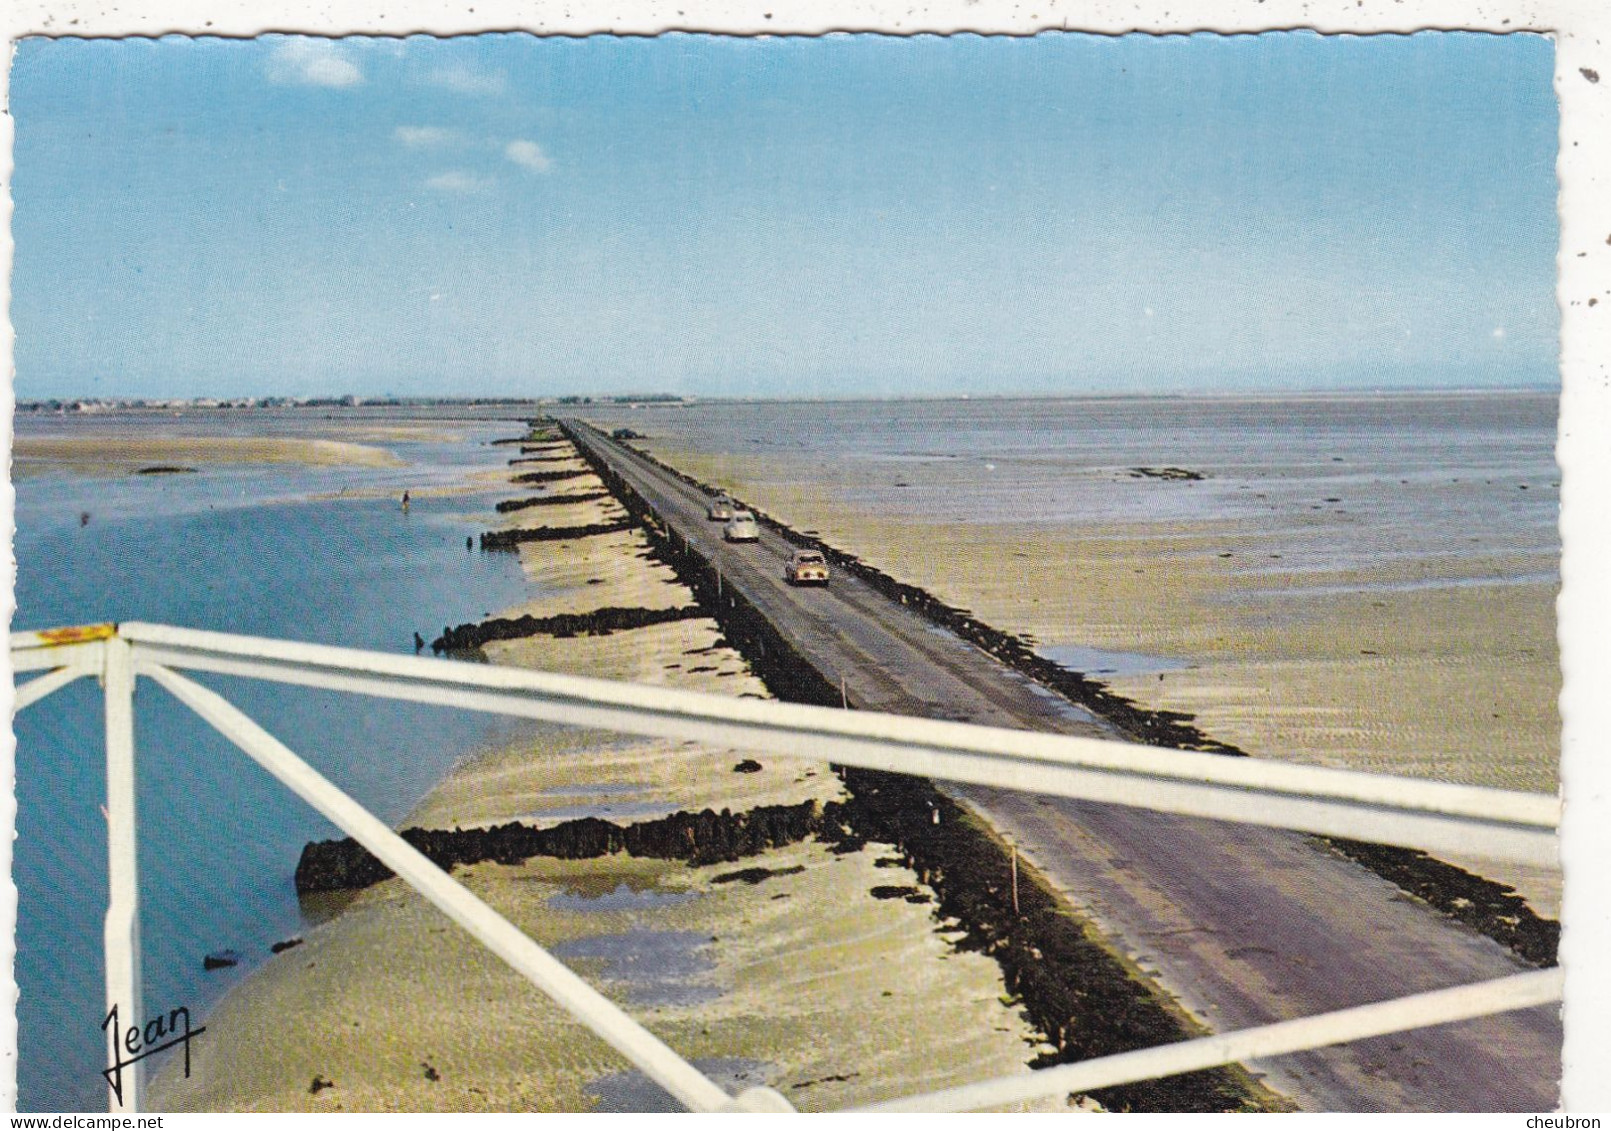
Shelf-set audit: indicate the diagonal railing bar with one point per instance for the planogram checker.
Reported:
(1391, 810)
(646, 1051)
(1380, 808)
(1437, 1007)
(27, 694)
(1442, 797)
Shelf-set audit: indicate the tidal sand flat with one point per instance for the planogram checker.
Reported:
(113, 454)
(1357, 582)
(817, 971)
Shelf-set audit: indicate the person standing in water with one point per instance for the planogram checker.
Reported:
(405, 502)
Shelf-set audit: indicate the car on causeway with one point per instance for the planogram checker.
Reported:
(742, 527)
(806, 567)
(721, 509)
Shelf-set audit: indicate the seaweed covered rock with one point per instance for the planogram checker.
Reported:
(599, 622)
(706, 837)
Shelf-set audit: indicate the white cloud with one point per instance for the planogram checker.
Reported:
(466, 81)
(457, 180)
(312, 62)
(528, 155)
(1499, 333)
(424, 137)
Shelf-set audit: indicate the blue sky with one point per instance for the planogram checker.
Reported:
(851, 215)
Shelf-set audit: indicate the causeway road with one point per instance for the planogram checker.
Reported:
(1242, 925)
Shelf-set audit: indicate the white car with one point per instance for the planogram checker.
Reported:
(721, 509)
(806, 567)
(742, 527)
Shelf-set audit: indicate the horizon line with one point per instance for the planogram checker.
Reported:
(666, 399)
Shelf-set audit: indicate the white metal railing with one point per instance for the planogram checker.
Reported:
(1390, 810)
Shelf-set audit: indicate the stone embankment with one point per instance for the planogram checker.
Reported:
(511, 539)
(700, 838)
(548, 476)
(549, 501)
(1492, 908)
(598, 622)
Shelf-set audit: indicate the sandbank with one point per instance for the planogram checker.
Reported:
(115, 455)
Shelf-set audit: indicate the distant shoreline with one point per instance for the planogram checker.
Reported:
(76, 406)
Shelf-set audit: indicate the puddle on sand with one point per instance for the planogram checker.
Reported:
(634, 1092)
(1098, 661)
(596, 789)
(591, 885)
(623, 898)
(650, 967)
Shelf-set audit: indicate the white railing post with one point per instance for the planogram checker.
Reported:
(123, 906)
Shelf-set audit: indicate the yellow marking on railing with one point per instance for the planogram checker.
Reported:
(78, 634)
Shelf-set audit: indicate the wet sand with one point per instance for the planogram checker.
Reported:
(801, 979)
(1425, 668)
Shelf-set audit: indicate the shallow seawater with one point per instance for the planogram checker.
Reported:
(1098, 662)
(242, 550)
(623, 898)
(1327, 482)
